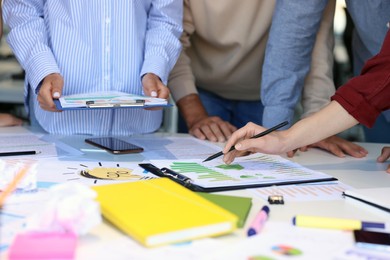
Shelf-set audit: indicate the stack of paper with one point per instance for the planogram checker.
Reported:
(160, 211)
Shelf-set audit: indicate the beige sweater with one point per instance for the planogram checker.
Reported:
(223, 50)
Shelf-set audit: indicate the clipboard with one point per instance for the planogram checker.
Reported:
(192, 185)
(108, 100)
(108, 106)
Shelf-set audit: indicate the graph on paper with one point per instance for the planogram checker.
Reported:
(249, 170)
(304, 192)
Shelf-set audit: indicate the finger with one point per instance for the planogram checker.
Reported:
(251, 145)
(388, 168)
(163, 92)
(303, 149)
(291, 154)
(237, 135)
(215, 129)
(197, 133)
(45, 98)
(44, 94)
(335, 149)
(229, 157)
(208, 132)
(9, 120)
(227, 130)
(353, 150)
(51, 88)
(385, 154)
(56, 88)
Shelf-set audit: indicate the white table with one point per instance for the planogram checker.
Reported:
(358, 173)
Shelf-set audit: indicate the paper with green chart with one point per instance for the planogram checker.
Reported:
(254, 170)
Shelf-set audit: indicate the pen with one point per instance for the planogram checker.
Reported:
(334, 223)
(12, 185)
(259, 221)
(18, 153)
(255, 136)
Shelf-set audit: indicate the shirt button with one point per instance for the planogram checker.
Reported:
(107, 78)
(108, 20)
(388, 25)
(107, 49)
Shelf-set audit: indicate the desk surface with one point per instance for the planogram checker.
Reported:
(358, 173)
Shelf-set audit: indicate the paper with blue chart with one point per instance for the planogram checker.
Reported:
(249, 170)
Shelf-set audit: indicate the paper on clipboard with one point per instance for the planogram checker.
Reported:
(256, 170)
(109, 99)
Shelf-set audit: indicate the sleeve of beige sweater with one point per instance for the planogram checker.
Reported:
(181, 79)
(319, 86)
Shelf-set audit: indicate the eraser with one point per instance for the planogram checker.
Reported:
(37, 245)
(275, 199)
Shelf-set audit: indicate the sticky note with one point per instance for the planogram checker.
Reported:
(35, 245)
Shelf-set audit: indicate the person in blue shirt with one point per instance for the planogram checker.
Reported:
(71, 47)
(291, 40)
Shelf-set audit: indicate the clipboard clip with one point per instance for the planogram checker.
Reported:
(128, 103)
(165, 172)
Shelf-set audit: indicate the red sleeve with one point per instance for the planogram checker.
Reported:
(367, 95)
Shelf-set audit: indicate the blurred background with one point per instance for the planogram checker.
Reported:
(12, 75)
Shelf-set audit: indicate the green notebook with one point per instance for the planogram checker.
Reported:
(239, 206)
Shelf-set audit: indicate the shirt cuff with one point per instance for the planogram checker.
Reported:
(39, 67)
(156, 66)
(274, 115)
(357, 106)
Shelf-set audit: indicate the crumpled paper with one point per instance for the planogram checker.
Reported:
(71, 207)
(11, 167)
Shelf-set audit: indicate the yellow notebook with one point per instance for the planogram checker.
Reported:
(160, 211)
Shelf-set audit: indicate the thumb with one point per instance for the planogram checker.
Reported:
(57, 85)
(56, 92)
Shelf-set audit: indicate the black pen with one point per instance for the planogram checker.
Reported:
(255, 136)
(18, 153)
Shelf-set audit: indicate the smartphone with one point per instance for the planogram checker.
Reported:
(114, 145)
(372, 240)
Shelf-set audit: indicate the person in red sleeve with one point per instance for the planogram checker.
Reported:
(360, 100)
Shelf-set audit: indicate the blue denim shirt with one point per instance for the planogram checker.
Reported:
(291, 40)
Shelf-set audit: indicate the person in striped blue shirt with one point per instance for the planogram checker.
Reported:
(70, 47)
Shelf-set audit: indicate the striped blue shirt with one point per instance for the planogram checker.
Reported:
(96, 45)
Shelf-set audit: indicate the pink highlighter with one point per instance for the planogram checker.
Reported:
(259, 221)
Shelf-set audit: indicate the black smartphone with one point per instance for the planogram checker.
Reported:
(114, 145)
(372, 239)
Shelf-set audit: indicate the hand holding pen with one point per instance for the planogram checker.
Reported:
(254, 138)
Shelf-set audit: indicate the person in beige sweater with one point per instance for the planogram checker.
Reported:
(221, 65)
(5, 118)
